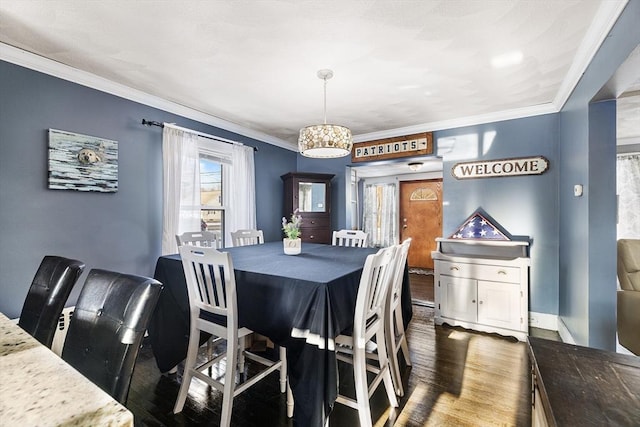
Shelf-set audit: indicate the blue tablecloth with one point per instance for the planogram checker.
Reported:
(315, 291)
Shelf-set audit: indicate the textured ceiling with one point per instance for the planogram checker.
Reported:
(399, 66)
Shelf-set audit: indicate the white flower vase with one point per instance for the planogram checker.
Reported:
(292, 246)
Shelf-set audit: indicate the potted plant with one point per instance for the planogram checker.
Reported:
(292, 243)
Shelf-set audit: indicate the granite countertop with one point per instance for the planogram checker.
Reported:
(38, 388)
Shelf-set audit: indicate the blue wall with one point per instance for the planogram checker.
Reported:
(119, 231)
(523, 205)
(587, 224)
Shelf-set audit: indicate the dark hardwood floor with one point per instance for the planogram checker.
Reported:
(421, 285)
(458, 378)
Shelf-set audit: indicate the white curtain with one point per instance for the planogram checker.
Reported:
(380, 214)
(181, 151)
(239, 191)
(628, 190)
(181, 184)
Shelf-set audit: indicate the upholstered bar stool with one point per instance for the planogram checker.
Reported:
(47, 295)
(107, 327)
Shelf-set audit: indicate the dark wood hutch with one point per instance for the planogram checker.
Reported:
(310, 193)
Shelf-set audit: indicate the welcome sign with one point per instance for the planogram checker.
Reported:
(500, 168)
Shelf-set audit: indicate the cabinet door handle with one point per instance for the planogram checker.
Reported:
(480, 302)
(473, 301)
(502, 272)
(313, 222)
(454, 268)
(311, 237)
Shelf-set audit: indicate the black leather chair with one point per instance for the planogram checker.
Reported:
(47, 295)
(107, 327)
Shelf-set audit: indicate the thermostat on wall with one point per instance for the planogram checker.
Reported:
(577, 190)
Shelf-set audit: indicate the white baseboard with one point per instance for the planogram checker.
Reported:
(551, 322)
(543, 321)
(622, 349)
(565, 335)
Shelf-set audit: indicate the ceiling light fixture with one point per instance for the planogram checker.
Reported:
(415, 166)
(325, 141)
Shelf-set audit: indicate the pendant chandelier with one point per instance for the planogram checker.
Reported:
(325, 141)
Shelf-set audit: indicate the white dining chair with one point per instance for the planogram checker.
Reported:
(247, 237)
(354, 238)
(210, 239)
(211, 287)
(368, 322)
(395, 333)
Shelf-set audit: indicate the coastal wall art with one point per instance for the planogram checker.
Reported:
(82, 163)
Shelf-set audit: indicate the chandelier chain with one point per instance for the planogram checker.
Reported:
(325, 100)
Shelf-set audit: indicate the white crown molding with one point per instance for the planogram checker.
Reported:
(518, 113)
(604, 20)
(44, 65)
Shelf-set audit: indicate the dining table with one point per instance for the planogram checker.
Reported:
(37, 387)
(301, 302)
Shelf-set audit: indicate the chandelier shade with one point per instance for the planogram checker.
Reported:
(325, 141)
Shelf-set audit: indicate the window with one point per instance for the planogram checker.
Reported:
(211, 197)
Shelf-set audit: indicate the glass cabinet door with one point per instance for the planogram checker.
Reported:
(312, 197)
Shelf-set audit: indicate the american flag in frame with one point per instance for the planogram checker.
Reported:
(478, 226)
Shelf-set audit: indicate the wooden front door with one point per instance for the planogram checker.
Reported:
(421, 219)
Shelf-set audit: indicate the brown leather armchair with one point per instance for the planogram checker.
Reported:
(629, 295)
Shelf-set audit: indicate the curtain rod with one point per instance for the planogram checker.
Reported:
(204, 135)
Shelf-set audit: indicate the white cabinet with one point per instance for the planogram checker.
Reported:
(484, 287)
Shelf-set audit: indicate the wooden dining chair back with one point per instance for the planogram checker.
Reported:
(353, 238)
(209, 239)
(107, 327)
(211, 287)
(395, 332)
(47, 295)
(368, 322)
(247, 237)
